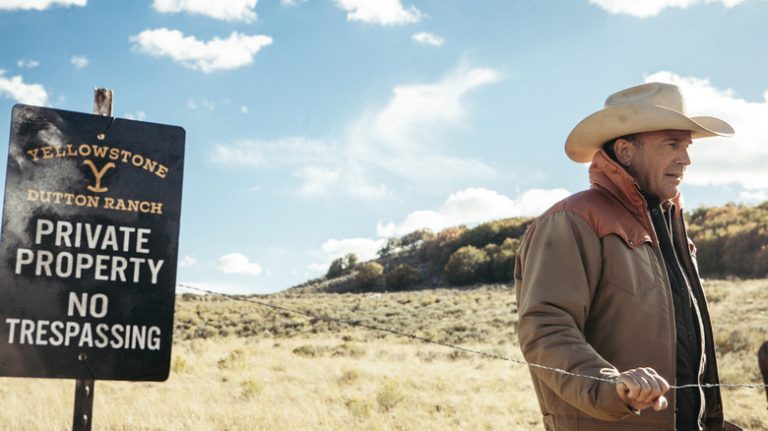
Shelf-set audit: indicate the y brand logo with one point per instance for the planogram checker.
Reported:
(97, 174)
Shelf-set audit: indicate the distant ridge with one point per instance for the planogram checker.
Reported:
(731, 241)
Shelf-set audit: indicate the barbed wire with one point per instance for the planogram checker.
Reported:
(452, 346)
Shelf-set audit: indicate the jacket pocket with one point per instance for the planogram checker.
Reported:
(633, 270)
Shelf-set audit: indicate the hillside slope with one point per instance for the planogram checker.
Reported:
(732, 241)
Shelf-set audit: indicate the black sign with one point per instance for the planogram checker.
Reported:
(89, 246)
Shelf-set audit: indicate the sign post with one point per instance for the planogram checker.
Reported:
(85, 389)
(89, 248)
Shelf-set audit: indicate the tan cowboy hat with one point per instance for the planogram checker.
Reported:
(644, 108)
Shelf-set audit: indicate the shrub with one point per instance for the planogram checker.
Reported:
(358, 407)
(308, 351)
(502, 259)
(180, 365)
(250, 388)
(438, 249)
(341, 265)
(416, 237)
(234, 361)
(402, 277)
(494, 232)
(349, 376)
(390, 394)
(392, 245)
(348, 350)
(336, 268)
(367, 274)
(466, 265)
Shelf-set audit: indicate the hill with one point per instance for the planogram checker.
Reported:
(732, 242)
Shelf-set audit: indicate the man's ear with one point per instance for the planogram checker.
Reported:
(624, 151)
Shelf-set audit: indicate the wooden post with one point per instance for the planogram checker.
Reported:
(82, 419)
(102, 101)
(762, 360)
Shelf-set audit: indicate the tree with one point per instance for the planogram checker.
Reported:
(466, 265)
(367, 274)
(402, 277)
(350, 260)
(341, 265)
(336, 268)
(389, 247)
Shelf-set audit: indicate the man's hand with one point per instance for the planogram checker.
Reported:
(641, 388)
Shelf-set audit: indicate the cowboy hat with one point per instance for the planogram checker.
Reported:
(643, 108)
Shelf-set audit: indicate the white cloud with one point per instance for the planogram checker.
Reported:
(236, 51)
(427, 39)
(405, 138)
(15, 88)
(138, 115)
(79, 61)
(237, 263)
(646, 8)
(364, 248)
(38, 4)
(244, 109)
(741, 159)
(290, 3)
(472, 206)
(226, 10)
(27, 64)
(204, 103)
(292, 151)
(383, 12)
(753, 197)
(188, 261)
(402, 136)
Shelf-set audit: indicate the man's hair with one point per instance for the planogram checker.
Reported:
(608, 146)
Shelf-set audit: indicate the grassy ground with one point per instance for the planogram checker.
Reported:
(240, 366)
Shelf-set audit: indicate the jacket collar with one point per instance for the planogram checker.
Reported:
(607, 174)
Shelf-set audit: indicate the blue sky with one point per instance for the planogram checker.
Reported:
(321, 127)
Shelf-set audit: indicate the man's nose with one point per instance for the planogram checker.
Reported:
(683, 158)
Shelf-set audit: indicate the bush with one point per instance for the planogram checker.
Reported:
(390, 394)
(402, 277)
(234, 361)
(250, 388)
(731, 240)
(367, 274)
(502, 260)
(438, 249)
(467, 265)
(416, 238)
(494, 232)
(341, 265)
(309, 351)
(336, 268)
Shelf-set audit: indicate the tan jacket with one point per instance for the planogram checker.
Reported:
(594, 299)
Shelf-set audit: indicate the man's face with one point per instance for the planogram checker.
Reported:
(659, 162)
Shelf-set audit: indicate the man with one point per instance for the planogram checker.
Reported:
(607, 284)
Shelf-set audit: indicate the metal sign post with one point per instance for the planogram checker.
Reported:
(82, 417)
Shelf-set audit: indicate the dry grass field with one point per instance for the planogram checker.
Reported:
(241, 366)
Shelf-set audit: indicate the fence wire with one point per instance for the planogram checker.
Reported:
(358, 324)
